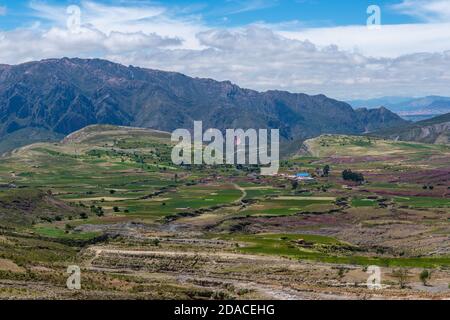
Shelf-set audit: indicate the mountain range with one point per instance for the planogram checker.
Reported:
(45, 100)
(415, 109)
(435, 130)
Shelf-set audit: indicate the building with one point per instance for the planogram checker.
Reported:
(304, 176)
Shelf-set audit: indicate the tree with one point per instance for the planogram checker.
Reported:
(294, 184)
(424, 276)
(402, 276)
(97, 210)
(116, 209)
(112, 191)
(326, 170)
(349, 175)
(83, 215)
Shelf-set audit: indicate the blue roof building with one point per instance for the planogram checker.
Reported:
(303, 175)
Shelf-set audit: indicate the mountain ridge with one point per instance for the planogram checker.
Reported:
(421, 108)
(435, 130)
(60, 96)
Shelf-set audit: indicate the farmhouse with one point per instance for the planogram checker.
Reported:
(304, 176)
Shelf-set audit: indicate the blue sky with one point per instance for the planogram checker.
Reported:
(311, 46)
(232, 13)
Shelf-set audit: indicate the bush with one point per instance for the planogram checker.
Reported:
(326, 170)
(349, 175)
(402, 276)
(83, 215)
(424, 276)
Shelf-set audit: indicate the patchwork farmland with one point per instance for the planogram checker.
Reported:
(110, 200)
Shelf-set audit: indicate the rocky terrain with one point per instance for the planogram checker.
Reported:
(435, 130)
(44, 100)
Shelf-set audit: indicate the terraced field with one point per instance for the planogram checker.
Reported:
(110, 200)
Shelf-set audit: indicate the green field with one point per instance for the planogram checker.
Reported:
(323, 249)
(121, 183)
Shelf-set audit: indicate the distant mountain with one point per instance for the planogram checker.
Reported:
(50, 98)
(409, 108)
(435, 130)
(388, 102)
(376, 119)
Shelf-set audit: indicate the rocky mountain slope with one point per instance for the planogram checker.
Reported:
(58, 96)
(376, 119)
(435, 130)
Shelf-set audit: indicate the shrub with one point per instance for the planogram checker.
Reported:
(349, 175)
(83, 215)
(402, 276)
(424, 276)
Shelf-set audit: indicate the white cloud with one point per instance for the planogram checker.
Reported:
(34, 44)
(3, 10)
(241, 6)
(260, 59)
(389, 41)
(127, 19)
(427, 10)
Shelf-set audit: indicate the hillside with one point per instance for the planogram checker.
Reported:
(376, 119)
(24, 207)
(409, 108)
(60, 96)
(435, 130)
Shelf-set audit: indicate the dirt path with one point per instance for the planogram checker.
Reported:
(223, 255)
(244, 193)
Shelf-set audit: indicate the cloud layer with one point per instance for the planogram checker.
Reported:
(345, 62)
(259, 58)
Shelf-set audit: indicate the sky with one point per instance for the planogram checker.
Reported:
(337, 48)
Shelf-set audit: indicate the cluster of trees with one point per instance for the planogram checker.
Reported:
(97, 210)
(403, 275)
(349, 175)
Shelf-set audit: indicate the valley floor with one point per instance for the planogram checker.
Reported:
(110, 201)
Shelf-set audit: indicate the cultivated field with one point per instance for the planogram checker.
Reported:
(109, 200)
